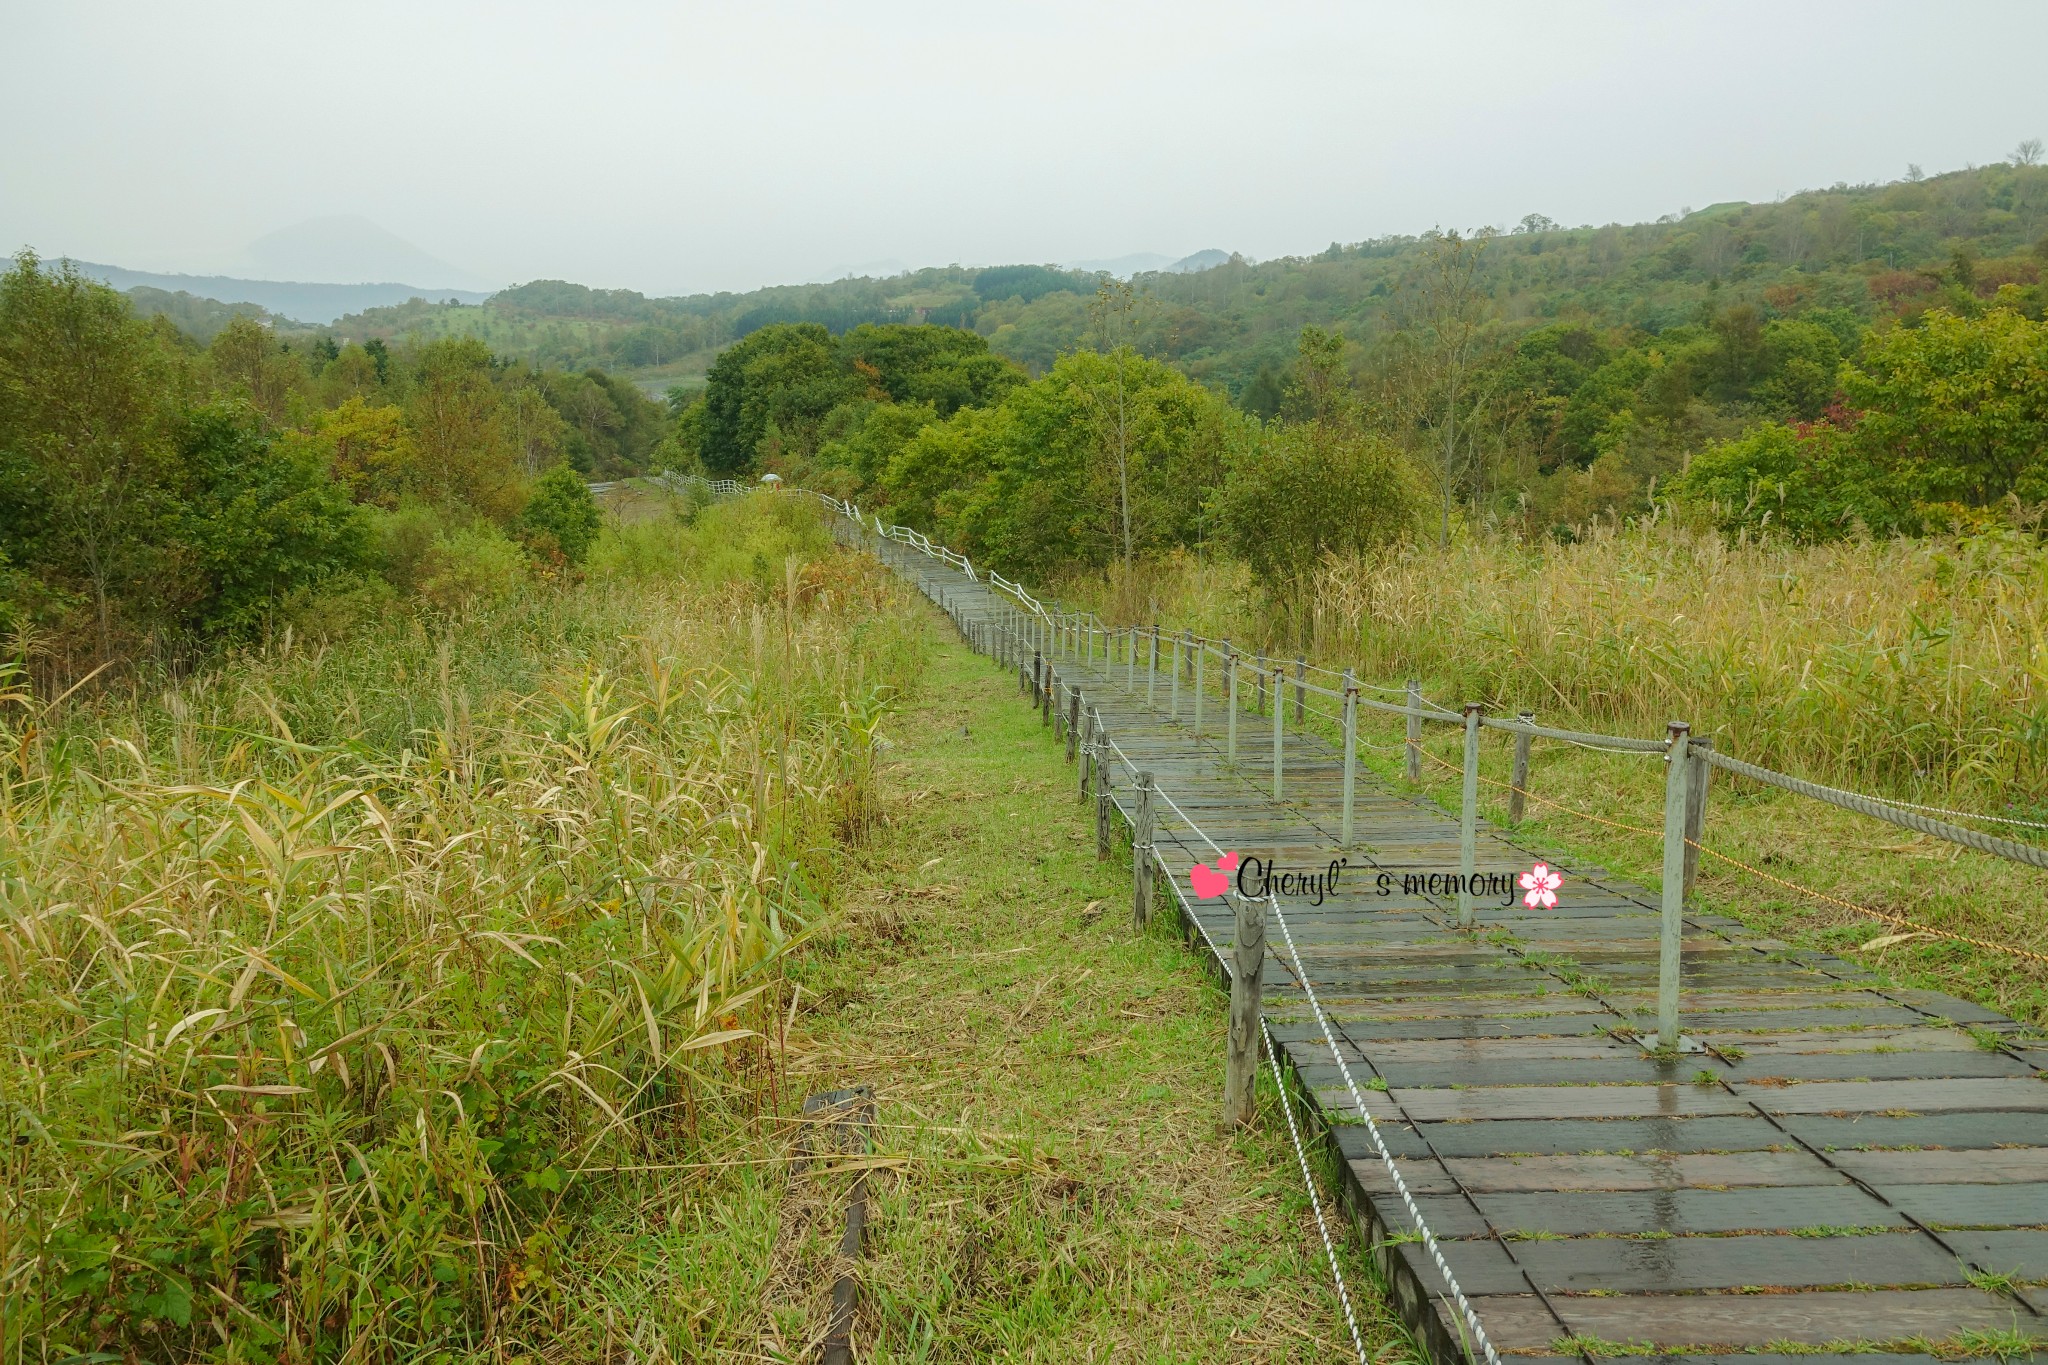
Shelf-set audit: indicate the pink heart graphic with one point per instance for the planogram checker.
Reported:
(1228, 862)
(1207, 881)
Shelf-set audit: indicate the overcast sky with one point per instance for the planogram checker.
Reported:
(672, 147)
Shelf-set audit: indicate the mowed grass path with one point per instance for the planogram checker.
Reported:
(1057, 1187)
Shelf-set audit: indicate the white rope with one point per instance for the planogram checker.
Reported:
(1373, 1129)
(1287, 1108)
(1315, 1202)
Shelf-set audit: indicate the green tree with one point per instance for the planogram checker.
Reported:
(87, 476)
(1304, 491)
(466, 458)
(1956, 409)
(259, 519)
(561, 509)
(1810, 484)
(782, 379)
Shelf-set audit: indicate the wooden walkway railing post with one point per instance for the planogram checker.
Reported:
(1141, 854)
(1074, 729)
(1261, 672)
(1468, 817)
(1130, 658)
(1230, 704)
(1152, 667)
(1671, 941)
(1696, 747)
(1173, 686)
(1241, 1059)
(1518, 776)
(1415, 729)
(1200, 651)
(1350, 754)
(1300, 688)
(1279, 715)
(1045, 692)
(1102, 797)
(1085, 748)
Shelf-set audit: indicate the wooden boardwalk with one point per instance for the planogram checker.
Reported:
(1850, 1169)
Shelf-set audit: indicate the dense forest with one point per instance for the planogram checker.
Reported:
(160, 499)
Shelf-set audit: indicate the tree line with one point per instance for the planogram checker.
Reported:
(160, 499)
(1796, 417)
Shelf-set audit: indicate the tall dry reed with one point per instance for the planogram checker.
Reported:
(1915, 668)
(334, 983)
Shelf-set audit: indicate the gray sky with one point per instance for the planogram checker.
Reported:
(674, 147)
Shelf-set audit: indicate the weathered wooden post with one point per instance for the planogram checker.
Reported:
(1696, 747)
(1518, 777)
(1173, 688)
(1141, 854)
(1671, 942)
(1037, 665)
(1279, 718)
(1074, 730)
(1152, 667)
(1300, 688)
(1102, 796)
(1230, 706)
(1247, 966)
(1130, 659)
(1468, 817)
(1045, 695)
(1350, 753)
(1414, 729)
(1260, 671)
(1200, 650)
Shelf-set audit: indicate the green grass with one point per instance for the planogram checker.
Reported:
(1050, 1081)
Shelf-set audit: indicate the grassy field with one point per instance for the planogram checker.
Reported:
(1050, 1083)
(1914, 670)
(446, 992)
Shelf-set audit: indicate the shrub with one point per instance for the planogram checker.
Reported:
(1307, 491)
(473, 566)
(561, 508)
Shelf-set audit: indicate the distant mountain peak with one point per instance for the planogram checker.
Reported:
(348, 249)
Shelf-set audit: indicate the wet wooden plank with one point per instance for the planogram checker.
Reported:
(1958, 1131)
(1718, 1171)
(1570, 1102)
(1682, 1264)
(1920, 1097)
(1678, 1322)
(1974, 1206)
(1993, 1166)
(1566, 1137)
(2020, 1253)
(1688, 1211)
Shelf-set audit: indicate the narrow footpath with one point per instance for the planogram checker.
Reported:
(1049, 1182)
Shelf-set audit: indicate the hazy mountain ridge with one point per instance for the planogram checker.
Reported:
(299, 301)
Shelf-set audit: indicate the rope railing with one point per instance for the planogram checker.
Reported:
(1044, 634)
(1057, 630)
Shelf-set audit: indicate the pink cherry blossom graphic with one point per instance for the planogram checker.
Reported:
(1541, 885)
